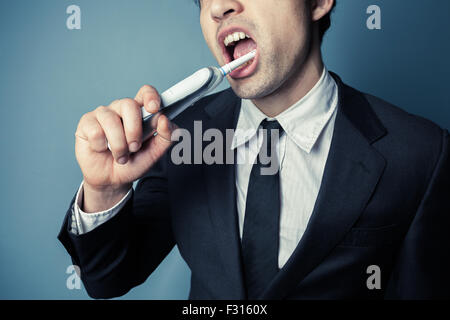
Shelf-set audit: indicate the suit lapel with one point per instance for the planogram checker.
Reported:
(352, 171)
(221, 192)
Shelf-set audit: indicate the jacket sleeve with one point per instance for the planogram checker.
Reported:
(423, 264)
(121, 253)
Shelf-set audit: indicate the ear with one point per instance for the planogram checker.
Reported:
(320, 8)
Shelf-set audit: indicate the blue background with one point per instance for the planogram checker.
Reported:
(50, 76)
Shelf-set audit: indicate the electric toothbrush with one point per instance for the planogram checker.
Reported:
(188, 91)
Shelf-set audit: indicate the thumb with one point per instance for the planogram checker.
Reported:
(155, 147)
(164, 130)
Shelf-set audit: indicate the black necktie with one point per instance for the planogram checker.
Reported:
(260, 239)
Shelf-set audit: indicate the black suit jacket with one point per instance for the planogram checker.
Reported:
(384, 200)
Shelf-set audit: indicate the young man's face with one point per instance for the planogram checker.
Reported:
(280, 31)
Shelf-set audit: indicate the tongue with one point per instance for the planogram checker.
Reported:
(243, 47)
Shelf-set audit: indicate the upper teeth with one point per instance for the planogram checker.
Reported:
(234, 37)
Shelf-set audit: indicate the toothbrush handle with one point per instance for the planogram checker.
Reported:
(179, 97)
(150, 122)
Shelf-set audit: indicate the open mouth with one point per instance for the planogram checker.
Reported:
(235, 44)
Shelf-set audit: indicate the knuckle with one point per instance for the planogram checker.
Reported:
(101, 110)
(84, 119)
(96, 133)
(129, 104)
(128, 101)
(148, 87)
(114, 102)
(106, 115)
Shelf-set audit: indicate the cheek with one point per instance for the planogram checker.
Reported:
(299, 43)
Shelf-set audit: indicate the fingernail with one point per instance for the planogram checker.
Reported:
(152, 105)
(122, 160)
(134, 146)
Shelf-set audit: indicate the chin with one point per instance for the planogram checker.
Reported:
(251, 88)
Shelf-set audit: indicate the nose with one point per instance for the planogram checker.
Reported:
(223, 9)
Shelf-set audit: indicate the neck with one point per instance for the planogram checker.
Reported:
(294, 88)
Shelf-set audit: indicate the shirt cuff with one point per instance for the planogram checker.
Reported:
(83, 222)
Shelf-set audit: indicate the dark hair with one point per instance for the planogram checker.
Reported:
(324, 23)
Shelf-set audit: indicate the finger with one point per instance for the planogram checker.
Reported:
(90, 129)
(130, 112)
(112, 126)
(148, 97)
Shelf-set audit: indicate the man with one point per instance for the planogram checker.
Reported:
(357, 208)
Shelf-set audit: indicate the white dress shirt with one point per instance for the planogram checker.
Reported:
(83, 222)
(302, 153)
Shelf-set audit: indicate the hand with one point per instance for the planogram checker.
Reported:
(109, 174)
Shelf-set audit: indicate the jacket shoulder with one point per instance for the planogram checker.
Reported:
(394, 117)
(410, 136)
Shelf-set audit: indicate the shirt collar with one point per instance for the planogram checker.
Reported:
(303, 122)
